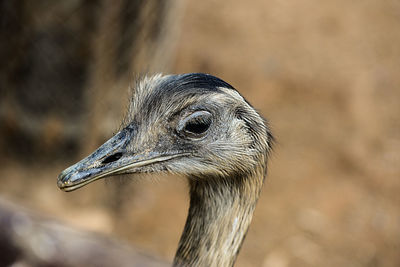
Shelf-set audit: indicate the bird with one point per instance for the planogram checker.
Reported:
(200, 127)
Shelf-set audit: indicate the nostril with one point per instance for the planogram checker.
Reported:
(112, 158)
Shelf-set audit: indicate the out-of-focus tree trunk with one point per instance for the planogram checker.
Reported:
(30, 240)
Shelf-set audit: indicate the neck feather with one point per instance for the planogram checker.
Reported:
(219, 216)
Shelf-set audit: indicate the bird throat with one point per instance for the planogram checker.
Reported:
(219, 215)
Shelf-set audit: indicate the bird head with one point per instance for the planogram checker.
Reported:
(194, 125)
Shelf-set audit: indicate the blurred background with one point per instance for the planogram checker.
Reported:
(324, 73)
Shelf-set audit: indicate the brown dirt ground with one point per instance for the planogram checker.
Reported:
(326, 75)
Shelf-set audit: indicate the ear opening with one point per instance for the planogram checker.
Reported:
(255, 125)
(251, 127)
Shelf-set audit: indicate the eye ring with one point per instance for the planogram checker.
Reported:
(195, 125)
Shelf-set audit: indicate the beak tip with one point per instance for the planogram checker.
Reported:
(63, 179)
(60, 184)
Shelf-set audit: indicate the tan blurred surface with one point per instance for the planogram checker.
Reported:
(326, 75)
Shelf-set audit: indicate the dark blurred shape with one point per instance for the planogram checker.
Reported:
(30, 240)
(66, 66)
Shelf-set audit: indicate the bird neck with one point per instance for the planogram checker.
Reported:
(220, 213)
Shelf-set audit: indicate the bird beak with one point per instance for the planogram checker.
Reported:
(109, 159)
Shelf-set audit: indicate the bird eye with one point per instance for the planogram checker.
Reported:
(195, 125)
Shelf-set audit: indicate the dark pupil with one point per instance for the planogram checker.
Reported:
(198, 126)
(112, 158)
